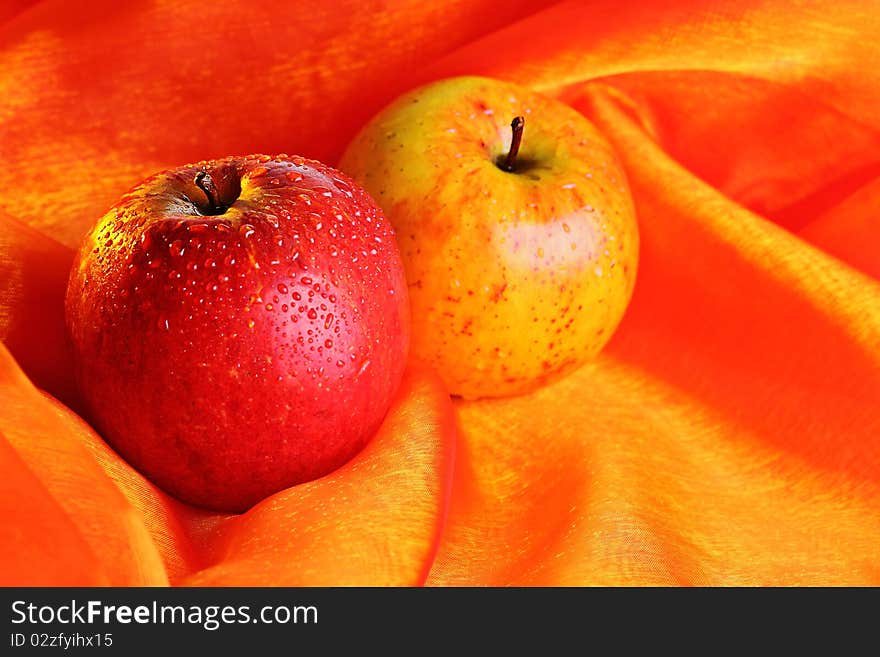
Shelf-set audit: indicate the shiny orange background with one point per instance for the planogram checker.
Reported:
(728, 434)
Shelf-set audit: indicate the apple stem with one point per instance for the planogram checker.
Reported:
(204, 182)
(516, 127)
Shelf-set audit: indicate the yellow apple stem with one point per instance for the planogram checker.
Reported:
(516, 127)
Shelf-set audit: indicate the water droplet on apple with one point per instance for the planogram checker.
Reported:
(328, 321)
(246, 230)
(328, 343)
(312, 314)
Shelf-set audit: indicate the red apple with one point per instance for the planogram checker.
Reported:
(239, 326)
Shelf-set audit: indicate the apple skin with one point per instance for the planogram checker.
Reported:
(515, 278)
(230, 356)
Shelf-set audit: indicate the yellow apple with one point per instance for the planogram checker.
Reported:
(516, 227)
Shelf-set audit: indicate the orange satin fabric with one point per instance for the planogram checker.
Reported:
(728, 434)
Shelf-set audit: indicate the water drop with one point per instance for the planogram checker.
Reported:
(246, 230)
(312, 314)
(328, 321)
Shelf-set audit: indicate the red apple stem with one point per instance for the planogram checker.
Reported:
(516, 127)
(204, 182)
